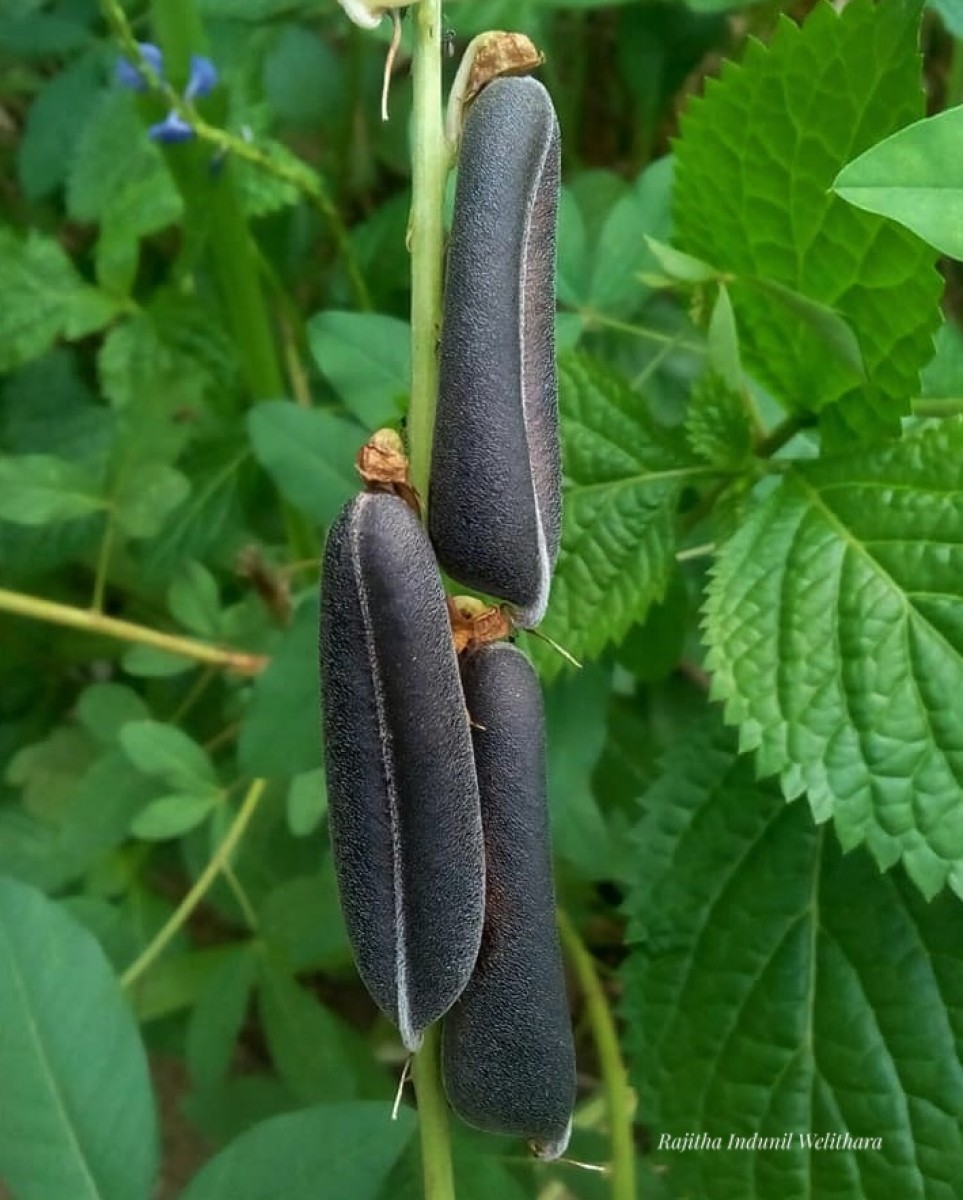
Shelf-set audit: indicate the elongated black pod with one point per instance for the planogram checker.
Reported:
(507, 1055)
(495, 508)
(402, 791)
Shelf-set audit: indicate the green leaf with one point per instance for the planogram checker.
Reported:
(367, 359)
(717, 422)
(624, 475)
(146, 498)
(755, 165)
(308, 453)
(722, 342)
(104, 708)
(575, 717)
(325, 1153)
(301, 921)
(914, 177)
(36, 489)
(54, 123)
(42, 297)
(835, 636)
(779, 988)
(281, 731)
(952, 13)
(74, 1083)
(166, 753)
(681, 267)
(307, 802)
(316, 1054)
(194, 599)
(173, 816)
(218, 1017)
(304, 78)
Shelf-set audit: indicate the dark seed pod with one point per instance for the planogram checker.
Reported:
(402, 791)
(495, 505)
(507, 1054)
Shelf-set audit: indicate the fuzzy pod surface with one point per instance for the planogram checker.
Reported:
(403, 797)
(508, 1058)
(495, 508)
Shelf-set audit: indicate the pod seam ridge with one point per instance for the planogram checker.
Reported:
(534, 613)
(408, 1035)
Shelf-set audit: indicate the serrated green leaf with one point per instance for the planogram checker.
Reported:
(914, 177)
(173, 816)
(286, 1156)
(167, 753)
(623, 475)
(779, 988)
(835, 636)
(367, 358)
(281, 732)
(717, 422)
(36, 489)
(73, 1070)
(308, 453)
(755, 165)
(42, 297)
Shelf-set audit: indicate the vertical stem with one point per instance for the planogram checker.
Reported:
(426, 236)
(433, 1121)
(615, 1083)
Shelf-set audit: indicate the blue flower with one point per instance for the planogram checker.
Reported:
(128, 75)
(172, 129)
(202, 79)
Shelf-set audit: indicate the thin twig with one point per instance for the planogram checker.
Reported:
(197, 893)
(37, 609)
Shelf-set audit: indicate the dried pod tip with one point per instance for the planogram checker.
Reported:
(383, 465)
(488, 56)
(475, 623)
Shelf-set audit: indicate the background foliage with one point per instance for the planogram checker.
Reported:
(761, 380)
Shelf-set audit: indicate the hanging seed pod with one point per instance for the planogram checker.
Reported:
(495, 507)
(402, 791)
(507, 1054)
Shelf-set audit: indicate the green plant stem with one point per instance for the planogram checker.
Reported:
(784, 432)
(181, 914)
(433, 1121)
(615, 1083)
(426, 236)
(89, 621)
(592, 318)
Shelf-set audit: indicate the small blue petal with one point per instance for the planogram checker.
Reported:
(203, 78)
(172, 129)
(129, 76)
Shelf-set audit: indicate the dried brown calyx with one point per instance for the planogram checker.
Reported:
(475, 623)
(383, 465)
